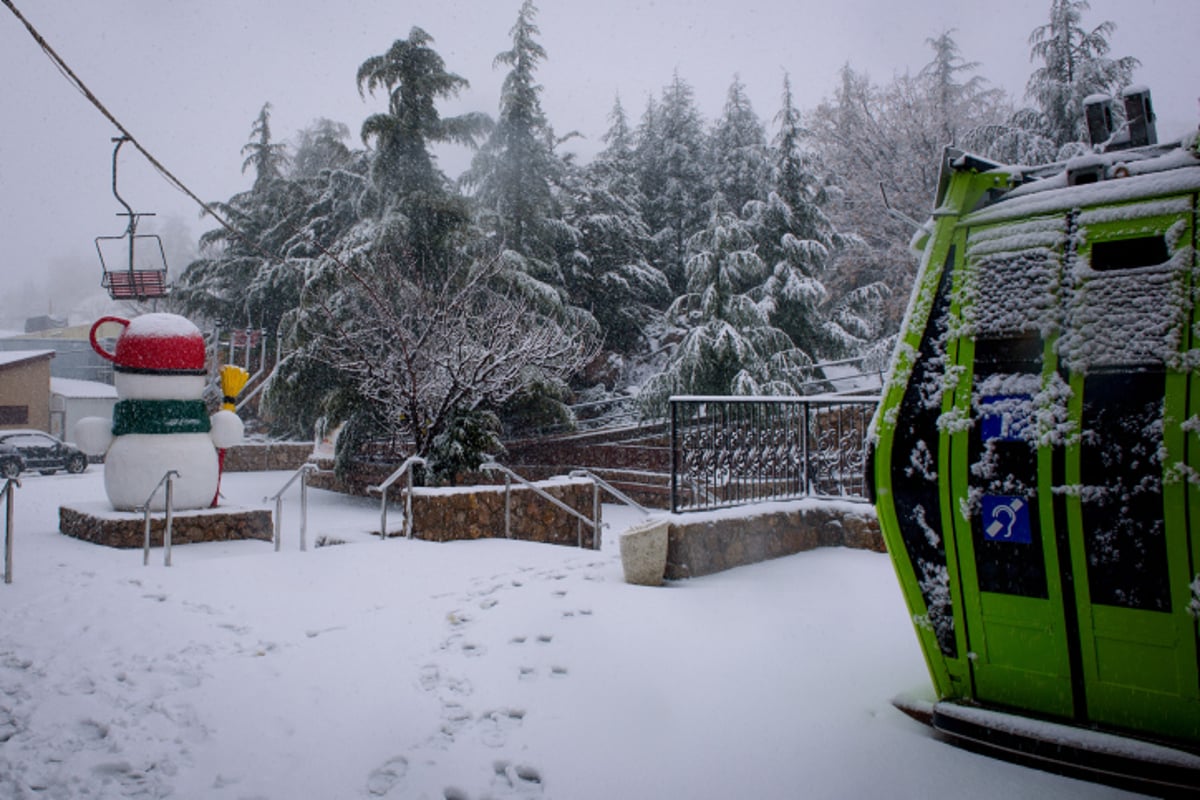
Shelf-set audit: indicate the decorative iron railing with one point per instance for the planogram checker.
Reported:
(730, 451)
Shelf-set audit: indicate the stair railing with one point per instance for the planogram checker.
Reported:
(382, 491)
(168, 478)
(510, 476)
(7, 494)
(301, 475)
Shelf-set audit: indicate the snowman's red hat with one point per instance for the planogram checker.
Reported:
(155, 344)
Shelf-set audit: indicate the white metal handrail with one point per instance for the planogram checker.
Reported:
(302, 473)
(509, 475)
(168, 478)
(382, 490)
(599, 483)
(608, 487)
(7, 494)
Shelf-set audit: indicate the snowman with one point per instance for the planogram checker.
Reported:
(160, 421)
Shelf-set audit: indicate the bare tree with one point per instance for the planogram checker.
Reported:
(422, 351)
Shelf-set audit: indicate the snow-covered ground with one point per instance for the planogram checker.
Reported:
(497, 669)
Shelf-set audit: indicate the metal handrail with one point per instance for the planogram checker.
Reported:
(302, 474)
(7, 494)
(168, 477)
(382, 490)
(509, 475)
(608, 487)
(262, 369)
(599, 483)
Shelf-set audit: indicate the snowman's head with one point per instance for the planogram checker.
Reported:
(157, 357)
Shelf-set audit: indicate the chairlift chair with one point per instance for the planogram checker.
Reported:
(143, 275)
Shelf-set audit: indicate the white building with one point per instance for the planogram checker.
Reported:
(71, 400)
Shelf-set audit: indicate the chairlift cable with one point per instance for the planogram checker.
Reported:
(79, 85)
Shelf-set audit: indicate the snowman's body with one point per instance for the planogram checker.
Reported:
(160, 423)
(136, 462)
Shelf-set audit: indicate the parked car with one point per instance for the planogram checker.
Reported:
(11, 462)
(44, 452)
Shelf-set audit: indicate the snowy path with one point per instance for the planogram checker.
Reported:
(447, 671)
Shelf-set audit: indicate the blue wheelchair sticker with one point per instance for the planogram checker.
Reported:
(1006, 519)
(1006, 417)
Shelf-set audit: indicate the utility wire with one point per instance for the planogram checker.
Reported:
(75, 81)
(78, 83)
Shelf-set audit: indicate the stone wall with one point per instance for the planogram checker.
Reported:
(477, 512)
(101, 525)
(264, 456)
(702, 544)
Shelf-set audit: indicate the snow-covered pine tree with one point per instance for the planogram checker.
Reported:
(670, 155)
(738, 157)
(954, 95)
(797, 243)
(243, 279)
(414, 232)
(610, 274)
(514, 175)
(1074, 65)
(409, 193)
(728, 344)
(319, 147)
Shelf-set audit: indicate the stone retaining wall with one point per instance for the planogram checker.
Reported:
(101, 525)
(477, 512)
(702, 544)
(265, 456)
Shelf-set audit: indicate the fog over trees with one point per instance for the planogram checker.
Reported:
(689, 256)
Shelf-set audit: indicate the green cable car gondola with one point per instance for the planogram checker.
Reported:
(1037, 451)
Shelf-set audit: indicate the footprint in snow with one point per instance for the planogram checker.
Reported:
(521, 778)
(384, 778)
(496, 725)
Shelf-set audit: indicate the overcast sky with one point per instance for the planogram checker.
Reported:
(188, 79)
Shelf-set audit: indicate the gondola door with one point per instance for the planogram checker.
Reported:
(1127, 480)
(1002, 468)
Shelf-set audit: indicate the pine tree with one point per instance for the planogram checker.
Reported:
(729, 345)
(955, 104)
(738, 150)
(413, 198)
(797, 242)
(1074, 65)
(321, 146)
(269, 158)
(610, 274)
(243, 278)
(513, 172)
(671, 162)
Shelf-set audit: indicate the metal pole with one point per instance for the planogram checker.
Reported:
(383, 515)
(167, 524)
(408, 518)
(278, 522)
(146, 538)
(804, 448)
(8, 531)
(304, 511)
(674, 498)
(507, 506)
(595, 516)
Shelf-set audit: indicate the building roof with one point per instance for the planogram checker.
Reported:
(12, 358)
(82, 390)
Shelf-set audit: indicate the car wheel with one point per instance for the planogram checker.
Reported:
(10, 469)
(76, 464)
(47, 471)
